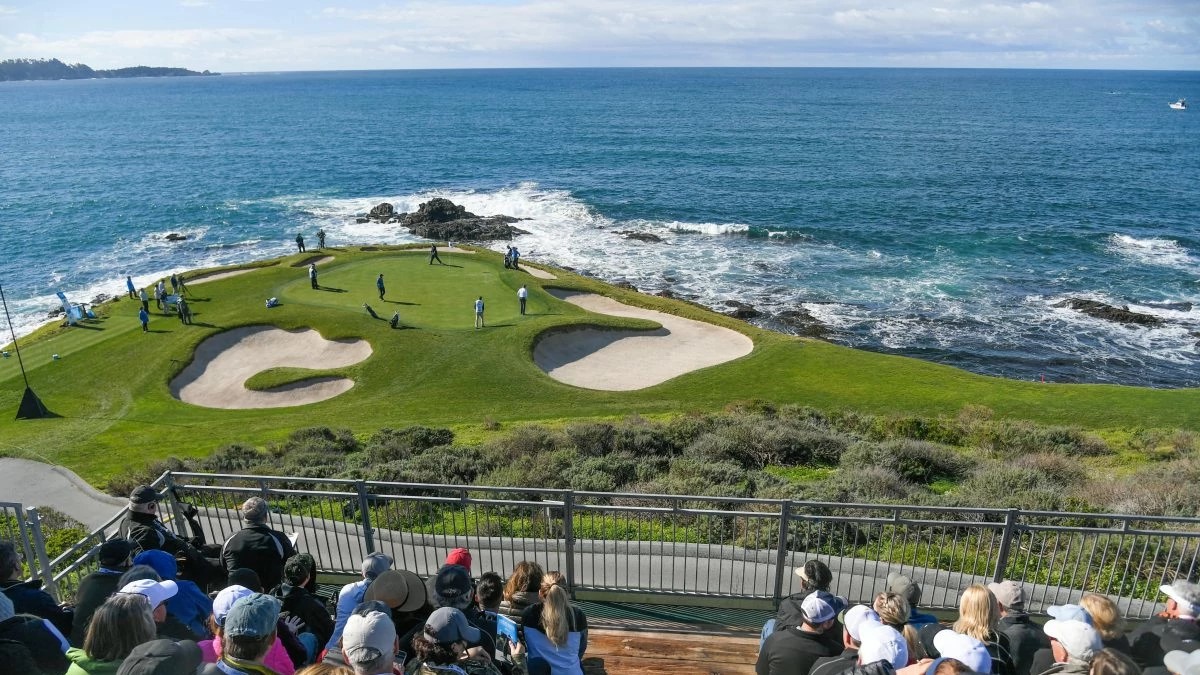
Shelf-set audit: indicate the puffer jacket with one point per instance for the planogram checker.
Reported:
(521, 600)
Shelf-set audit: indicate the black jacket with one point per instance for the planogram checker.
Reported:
(29, 598)
(42, 644)
(94, 589)
(149, 534)
(300, 603)
(1146, 642)
(791, 651)
(832, 665)
(875, 668)
(790, 615)
(261, 549)
(1025, 638)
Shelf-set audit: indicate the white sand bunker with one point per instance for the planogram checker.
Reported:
(216, 377)
(624, 360)
(538, 273)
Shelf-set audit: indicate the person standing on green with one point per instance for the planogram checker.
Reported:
(522, 296)
(321, 239)
(300, 242)
(379, 285)
(479, 312)
(144, 317)
(433, 255)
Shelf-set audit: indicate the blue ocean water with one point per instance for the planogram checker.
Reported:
(935, 213)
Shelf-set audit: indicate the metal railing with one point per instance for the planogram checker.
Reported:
(698, 547)
(23, 527)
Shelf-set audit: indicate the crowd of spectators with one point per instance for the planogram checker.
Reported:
(252, 609)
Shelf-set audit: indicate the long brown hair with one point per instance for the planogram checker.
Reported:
(123, 622)
(556, 608)
(526, 576)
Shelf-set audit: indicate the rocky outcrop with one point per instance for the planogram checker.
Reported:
(801, 322)
(741, 310)
(440, 218)
(1100, 310)
(626, 284)
(641, 236)
(175, 236)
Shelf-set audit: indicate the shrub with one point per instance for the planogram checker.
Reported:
(683, 431)
(1169, 489)
(914, 461)
(592, 439)
(759, 442)
(545, 470)
(1011, 438)
(804, 417)
(449, 464)
(389, 444)
(526, 440)
(335, 442)
(643, 440)
(866, 485)
(235, 458)
(918, 428)
(1004, 487)
(602, 474)
(1055, 469)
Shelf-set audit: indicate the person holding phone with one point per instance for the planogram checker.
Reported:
(555, 631)
(444, 646)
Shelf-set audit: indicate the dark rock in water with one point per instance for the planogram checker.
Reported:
(103, 297)
(382, 211)
(362, 219)
(666, 293)
(641, 236)
(567, 268)
(56, 312)
(1173, 306)
(441, 218)
(625, 284)
(741, 310)
(175, 236)
(801, 322)
(1100, 310)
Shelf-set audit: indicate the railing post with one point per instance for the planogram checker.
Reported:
(1010, 527)
(569, 538)
(785, 516)
(177, 519)
(34, 520)
(365, 514)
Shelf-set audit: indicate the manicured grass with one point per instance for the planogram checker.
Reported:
(110, 388)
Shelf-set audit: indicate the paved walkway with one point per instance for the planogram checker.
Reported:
(37, 484)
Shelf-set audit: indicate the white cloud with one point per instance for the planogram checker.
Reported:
(5, 9)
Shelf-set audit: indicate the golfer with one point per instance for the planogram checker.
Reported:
(479, 312)
(522, 296)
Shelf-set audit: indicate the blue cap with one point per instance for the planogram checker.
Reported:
(1070, 613)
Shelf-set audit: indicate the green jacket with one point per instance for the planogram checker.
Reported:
(82, 664)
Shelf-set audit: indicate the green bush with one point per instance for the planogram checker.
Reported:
(335, 442)
(1055, 469)
(643, 440)
(235, 458)
(866, 484)
(602, 474)
(391, 444)
(684, 430)
(591, 439)
(1012, 438)
(914, 461)
(448, 464)
(1004, 486)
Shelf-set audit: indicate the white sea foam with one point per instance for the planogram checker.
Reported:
(1152, 251)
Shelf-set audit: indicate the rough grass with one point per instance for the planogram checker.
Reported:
(114, 410)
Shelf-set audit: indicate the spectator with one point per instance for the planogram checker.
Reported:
(906, 587)
(489, 592)
(163, 657)
(459, 556)
(117, 626)
(1025, 637)
(94, 589)
(446, 639)
(406, 596)
(1074, 643)
(1106, 619)
(1112, 662)
(39, 637)
(277, 657)
(792, 650)
(248, 635)
(1043, 660)
(27, 596)
(893, 610)
(16, 659)
(325, 669)
(1176, 622)
(370, 645)
(352, 593)
(813, 576)
(310, 563)
(190, 606)
(521, 589)
(147, 533)
(158, 593)
(556, 631)
(979, 617)
(883, 651)
(452, 587)
(964, 649)
(299, 603)
(257, 546)
(852, 621)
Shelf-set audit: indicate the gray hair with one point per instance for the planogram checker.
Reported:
(380, 664)
(375, 564)
(255, 510)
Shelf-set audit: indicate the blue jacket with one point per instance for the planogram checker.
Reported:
(28, 598)
(190, 605)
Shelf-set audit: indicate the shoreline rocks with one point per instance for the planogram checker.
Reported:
(440, 218)
(1100, 310)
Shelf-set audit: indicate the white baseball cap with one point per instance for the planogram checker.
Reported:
(1079, 639)
(1182, 663)
(157, 592)
(965, 648)
(854, 618)
(882, 643)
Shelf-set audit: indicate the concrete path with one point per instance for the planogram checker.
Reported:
(37, 484)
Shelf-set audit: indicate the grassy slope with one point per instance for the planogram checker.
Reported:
(110, 387)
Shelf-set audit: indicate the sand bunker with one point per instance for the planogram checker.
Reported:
(217, 276)
(624, 360)
(313, 260)
(216, 377)
(537, 273)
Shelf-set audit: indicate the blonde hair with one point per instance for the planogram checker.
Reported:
(526, 576)
(893, 610)
(123, 622)
(1106, 616)
(978, 613)
(556, 608)
(324, 669)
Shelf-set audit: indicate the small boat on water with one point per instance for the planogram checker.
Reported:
(1181, 104)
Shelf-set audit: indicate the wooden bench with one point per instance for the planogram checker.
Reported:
(620, 652)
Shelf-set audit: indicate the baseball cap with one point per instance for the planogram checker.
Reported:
(459, 556)
(253, 616)
(367, 637)
(1079, 639)
(448, 625)
(114, 552)
(451, 585)
(1069, 613)
(1185, 593)
(399, 589)
(965, 648)
(1008, 593)
(143, 494)
(882, 643)
(905, 587)
(375, 564)
(1182, 663)
(225, 600)
(157, 592)
(855, 616)
(162, 657)
(816, 609)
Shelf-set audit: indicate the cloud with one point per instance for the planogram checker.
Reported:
(5, 9)
(193, 3)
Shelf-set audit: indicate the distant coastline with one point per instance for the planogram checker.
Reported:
(16, 70)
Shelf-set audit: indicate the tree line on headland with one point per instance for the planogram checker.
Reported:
(12, 70)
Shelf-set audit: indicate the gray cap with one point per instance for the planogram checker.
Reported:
(375, 564)
(448, 625)
(254, 616)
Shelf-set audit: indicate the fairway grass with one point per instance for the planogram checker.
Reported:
(115, 412)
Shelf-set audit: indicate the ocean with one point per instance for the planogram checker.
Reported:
(940, 214)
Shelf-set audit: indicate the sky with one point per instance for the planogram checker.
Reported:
(288, 35)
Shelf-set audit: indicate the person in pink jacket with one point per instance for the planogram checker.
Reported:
(277, 658)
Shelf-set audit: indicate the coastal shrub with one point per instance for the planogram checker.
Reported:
(1168, 489)
(1055, 469)
(918, 428)
(602, 474)
(1003, 486)
(805, 417)
(234, 458)
(643, 440)
(913, 461)
(592, 439)
(753, 407)
(335, 442)
(527, 440)
(389, 444)
(688, 476)
(448, 464)
(761, 442)
(684, 430)
(866, 484)
(853, 422)
(547, 470)
(1012, 438)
